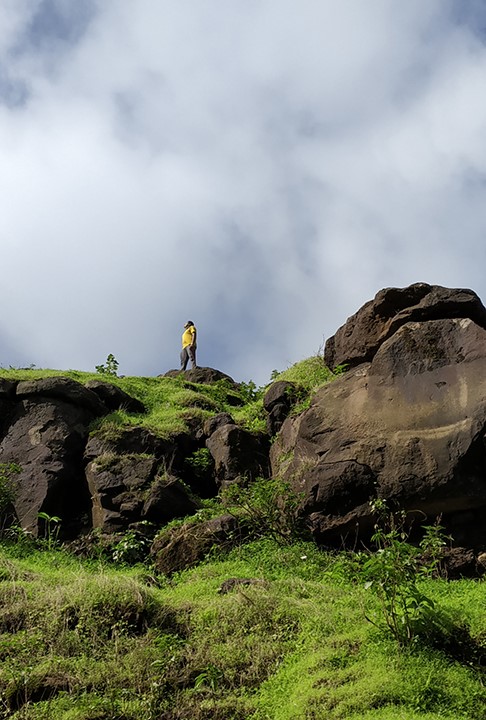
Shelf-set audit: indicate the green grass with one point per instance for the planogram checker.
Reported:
(101, 641)
(172, 403)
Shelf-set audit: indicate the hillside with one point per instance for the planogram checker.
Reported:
(189, 546)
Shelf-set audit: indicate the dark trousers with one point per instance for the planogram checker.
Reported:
(188, 353)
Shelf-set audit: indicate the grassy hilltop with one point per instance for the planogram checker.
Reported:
(314, 635)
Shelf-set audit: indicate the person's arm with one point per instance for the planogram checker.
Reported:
(194, 333)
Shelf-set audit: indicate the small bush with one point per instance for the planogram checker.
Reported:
(270, 508)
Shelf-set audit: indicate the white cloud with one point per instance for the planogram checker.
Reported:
(262, 168)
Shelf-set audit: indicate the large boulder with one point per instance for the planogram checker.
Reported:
(278, 401)
(114, 397)
(44, 428)
(183, 546)
(46, 438)
(62, 388)
(238, 454)
(408, 426)
(203, 375)
(364, 332)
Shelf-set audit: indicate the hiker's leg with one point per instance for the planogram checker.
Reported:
(184, 358)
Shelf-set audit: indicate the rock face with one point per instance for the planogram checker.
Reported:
(278, 401)
(120, 476)
(184, 546)
(364, 332)
(407, 425)
(238, 454)
(44, 431)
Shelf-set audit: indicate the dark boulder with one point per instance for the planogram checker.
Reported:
(215, 422)
(201, 375)
(364, 332)
(183, 546)
(409, 426)
(65, 389)
(166, 499)
(46, 439)
(7, 388)
(170, 452)
(126, 489)
(238, 454)
(114, 397)
(278, 401)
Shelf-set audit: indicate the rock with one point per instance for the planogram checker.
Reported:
(170, 452)
(278, 401)
(202, 375)
(459, 562)
(409, 426)
(7, 388)
(65, 389)
(126, 489)
(114, 397)
(215, 422)
(238, 454)
(168, 498)
(46, 438)
(364, 332)
(184, 546)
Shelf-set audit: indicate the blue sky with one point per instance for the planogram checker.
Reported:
(262, 167)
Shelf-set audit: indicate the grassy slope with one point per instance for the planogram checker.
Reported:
(92, 641)
(112, 642)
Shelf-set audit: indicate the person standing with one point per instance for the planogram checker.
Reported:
(188, 352)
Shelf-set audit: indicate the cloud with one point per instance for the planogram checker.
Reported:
(262, 168)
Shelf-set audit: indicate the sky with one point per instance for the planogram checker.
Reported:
(260, 167)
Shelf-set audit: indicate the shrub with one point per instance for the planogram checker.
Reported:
(270, 508)
(393, 572)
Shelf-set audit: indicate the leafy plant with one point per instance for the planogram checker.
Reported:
(110, 367)
(131, 549)
(8, 471)
(393, 572)
(208, 678)
(270, 507)
(52, 526)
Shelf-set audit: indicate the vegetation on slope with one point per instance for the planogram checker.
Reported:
(89, 641)
(300, 633)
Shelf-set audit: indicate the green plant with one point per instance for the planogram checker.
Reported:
(270, 508)
(52, 526)
(110, 367)
(393, 572)
(131, 549)
(210, 677)
(8, 485)
(250, 391)
(201, 462)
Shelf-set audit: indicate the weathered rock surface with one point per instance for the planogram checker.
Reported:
(364, 332)
(126, 489)
(278, 401)
(114, 398)
(238, 455)
(408, 426)
(62, 388)
(204, 375)
(184, 546)
(46, 438)
(44, 427)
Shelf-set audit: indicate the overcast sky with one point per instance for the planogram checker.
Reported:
(261, 167)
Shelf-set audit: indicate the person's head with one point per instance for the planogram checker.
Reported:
(188, 324)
